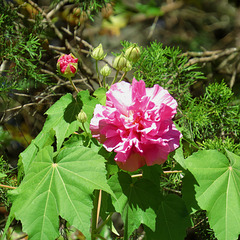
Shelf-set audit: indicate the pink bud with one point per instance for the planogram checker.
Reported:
(67, 65)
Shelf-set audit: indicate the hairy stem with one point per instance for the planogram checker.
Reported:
(73, 85)
(100, 84)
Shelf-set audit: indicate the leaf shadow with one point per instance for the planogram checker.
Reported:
(72, 110)
(189, 193)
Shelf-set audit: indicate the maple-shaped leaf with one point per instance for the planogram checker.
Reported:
(62, 117)
(136, 201)
(218, 190)
(59, 184)
(26, 157)
(172, 219)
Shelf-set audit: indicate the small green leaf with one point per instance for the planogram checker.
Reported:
(218, 190)
(136, 201)
(62, 118)
(100, 94)
(59, 185)
(172, 220)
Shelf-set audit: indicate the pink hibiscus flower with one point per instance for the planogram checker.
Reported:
(136, 123)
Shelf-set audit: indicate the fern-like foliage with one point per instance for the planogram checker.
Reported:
(20, 51)
(213, 115)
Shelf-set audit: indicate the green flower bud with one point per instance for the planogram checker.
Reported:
(106, 71)
(128, 67)
(120, 62)
(133, 53)
(98, 53)
(82, 117)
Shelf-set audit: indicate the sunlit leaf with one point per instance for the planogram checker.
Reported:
(26, 157)
(100, 94)
(178, 156)
(62, 117)
(218, 190)
(59, 185)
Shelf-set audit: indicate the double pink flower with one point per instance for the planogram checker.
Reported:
(136, 123)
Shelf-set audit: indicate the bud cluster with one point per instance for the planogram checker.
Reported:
(123, 62)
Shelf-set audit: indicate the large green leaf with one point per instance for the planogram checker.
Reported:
(218, 190)
(62, 118)
(59, 184)
(26, 157)
(172, 220)
(136, 201)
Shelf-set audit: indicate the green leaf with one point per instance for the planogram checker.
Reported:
(59, 185)
(153, 173)
(188, 192)
(2, 175)
(26, 157)
(172, 220)
(62, 118)
(218, 190)
(89, 104)
(100, 94)
(178, 156)
(136, 201)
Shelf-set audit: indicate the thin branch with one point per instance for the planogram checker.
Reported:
(164, 172)
(56, 8)
(50, 23)
(175, 171)
(208, 56)
(6, 186)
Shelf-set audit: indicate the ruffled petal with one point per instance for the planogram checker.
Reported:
(137, 124)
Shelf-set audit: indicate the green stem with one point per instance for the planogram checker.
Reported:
(95, 214)
(99, 236)
(123, 76)
(115, 78)
(84, 129)
(104, 81)
(104, 223)
(98, 74)
(73, 84)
